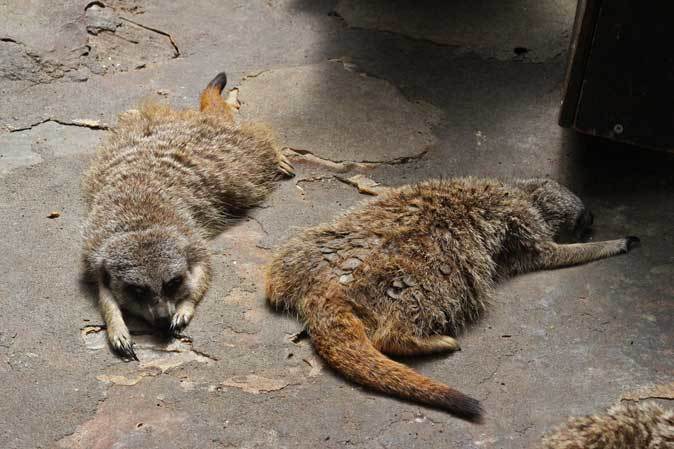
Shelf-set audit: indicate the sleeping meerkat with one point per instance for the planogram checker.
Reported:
(405, 270)
(623, 426)
(163, 183)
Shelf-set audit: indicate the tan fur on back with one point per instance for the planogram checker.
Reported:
(190, 169)
(202, 161)
(623, 426)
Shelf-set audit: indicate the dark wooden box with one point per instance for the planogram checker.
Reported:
(620, 76)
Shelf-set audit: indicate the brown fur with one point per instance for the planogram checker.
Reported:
(623, 426)
(400, 273)
(163, 182)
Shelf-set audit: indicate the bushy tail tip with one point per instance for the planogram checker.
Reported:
(467, 408)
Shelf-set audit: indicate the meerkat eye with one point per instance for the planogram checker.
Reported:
(138, 292)
(172, 286)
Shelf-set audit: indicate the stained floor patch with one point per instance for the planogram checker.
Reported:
(155, 355)
(131, 423)
(503, 30)
(338, 113)
(255, 384)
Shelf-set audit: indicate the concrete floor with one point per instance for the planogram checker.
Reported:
(395, 91)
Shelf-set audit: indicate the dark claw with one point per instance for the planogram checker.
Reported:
(176, 328)
(129, 353)
(126, 352)
(632, 242)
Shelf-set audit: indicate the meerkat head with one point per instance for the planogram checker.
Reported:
(564, 212)
(150, 271)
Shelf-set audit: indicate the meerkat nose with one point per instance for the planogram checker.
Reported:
(164, 323)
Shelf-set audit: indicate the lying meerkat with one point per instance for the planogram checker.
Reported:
(416, 264)
(623, 426)
(163, 182)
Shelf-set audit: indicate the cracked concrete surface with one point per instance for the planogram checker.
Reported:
(317, 110)
(363, 98)
(531, 31)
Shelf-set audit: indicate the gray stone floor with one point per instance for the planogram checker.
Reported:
(395, 91)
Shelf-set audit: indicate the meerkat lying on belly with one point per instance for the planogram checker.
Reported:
(162, 183)
(622, 426)
(401, 273)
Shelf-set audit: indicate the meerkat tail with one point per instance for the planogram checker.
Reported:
(211, 99)
(340, 338)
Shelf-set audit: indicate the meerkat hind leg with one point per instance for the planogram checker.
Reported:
(558, 256)
(412, 345)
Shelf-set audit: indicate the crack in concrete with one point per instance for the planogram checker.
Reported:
(176, 50)
(255, 75)
(259, 223)
(81, 123)
(254, 384)
(49, 70)
(363, 185)
(315, 179)
(661, 391)
(522, 431)
(460, 49)
(93, 337)
(490, 376)
(343, 166)
(229, 327)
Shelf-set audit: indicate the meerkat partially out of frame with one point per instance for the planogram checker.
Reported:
(403, 273)
(623, 426)
(163, 183)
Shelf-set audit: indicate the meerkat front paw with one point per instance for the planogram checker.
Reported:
(122, 343)
(182, 317)
(285, 167)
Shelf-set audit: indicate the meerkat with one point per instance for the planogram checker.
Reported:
(404, 273)
(164, 182)
(623, 426)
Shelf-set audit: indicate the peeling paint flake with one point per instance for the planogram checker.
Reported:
(364, 184)
(120, 380)
(156, 357)
(255, 384)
